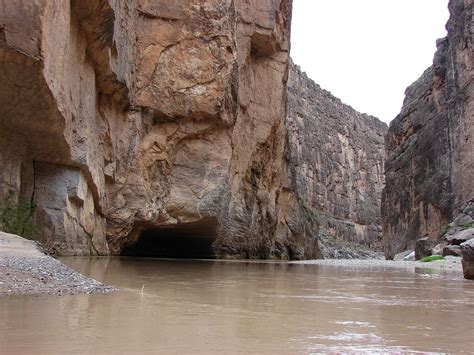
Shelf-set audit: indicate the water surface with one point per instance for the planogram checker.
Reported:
(184, 306)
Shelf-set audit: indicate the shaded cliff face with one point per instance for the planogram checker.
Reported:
(337, 157)
(163, 117)
(430, 144)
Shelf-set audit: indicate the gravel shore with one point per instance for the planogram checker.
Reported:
(450, 264)
(26, 270)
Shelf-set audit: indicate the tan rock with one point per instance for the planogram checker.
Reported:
(154, 116)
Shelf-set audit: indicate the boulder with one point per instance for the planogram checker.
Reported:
(410, 257)
(467, 249)
(422, 248)
(402, 255)
(462, 219)
(453, 250)
(438, 249)
(460, 237)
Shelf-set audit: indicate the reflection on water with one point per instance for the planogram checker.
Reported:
(214, 306)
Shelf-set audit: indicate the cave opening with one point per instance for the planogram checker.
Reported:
(183, 240)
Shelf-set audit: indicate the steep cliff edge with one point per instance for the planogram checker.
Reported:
(430, 144)
(164, 118)
(337, 156)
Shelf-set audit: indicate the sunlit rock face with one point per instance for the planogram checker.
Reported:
(430, 144)
(337, 156)
(119, 117)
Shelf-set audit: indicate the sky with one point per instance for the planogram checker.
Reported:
(366, 52)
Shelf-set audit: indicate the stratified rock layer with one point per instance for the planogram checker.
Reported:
(430, 144)
(337, 156)
(119, 117)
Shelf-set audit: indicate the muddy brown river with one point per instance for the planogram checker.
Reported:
(185, 306)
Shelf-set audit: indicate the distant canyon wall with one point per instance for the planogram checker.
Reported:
(120, 117)
(430, 144)
(337, 159)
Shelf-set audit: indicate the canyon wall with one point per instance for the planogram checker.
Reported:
(430, 144)
(337, 157)
(125, 117)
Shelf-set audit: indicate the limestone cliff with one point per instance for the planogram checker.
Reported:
(337, 157)
(430, 144)
(125, 118)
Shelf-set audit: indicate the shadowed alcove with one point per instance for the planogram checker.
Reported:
(184, 240)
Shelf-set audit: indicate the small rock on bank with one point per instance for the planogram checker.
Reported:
(408, 255)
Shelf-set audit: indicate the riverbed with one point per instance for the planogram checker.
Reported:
(190, 306)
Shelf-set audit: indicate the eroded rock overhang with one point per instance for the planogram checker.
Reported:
(123, 118)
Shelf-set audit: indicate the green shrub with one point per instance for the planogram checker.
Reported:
(17, 217)
(427, 259)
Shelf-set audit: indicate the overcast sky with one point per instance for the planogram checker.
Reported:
(366, 52)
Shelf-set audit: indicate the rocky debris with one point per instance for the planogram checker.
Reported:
(429, 145)
(331, 248)
(438, 249)
(467, 249)
(459, 237)
(455, 232)
(465, 218)
(422, 248)
(121, 118)
(336, 157)
(44, 275)
(454, 250)
(26, 270)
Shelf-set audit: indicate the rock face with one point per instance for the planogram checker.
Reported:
(337, 156)
(430, 144)
(120, 118)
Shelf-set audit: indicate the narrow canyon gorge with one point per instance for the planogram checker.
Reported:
(171, 181)
(183, 129)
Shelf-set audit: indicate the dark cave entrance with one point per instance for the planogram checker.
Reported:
(185, 240)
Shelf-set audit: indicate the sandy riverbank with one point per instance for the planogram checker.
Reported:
(24, 269)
